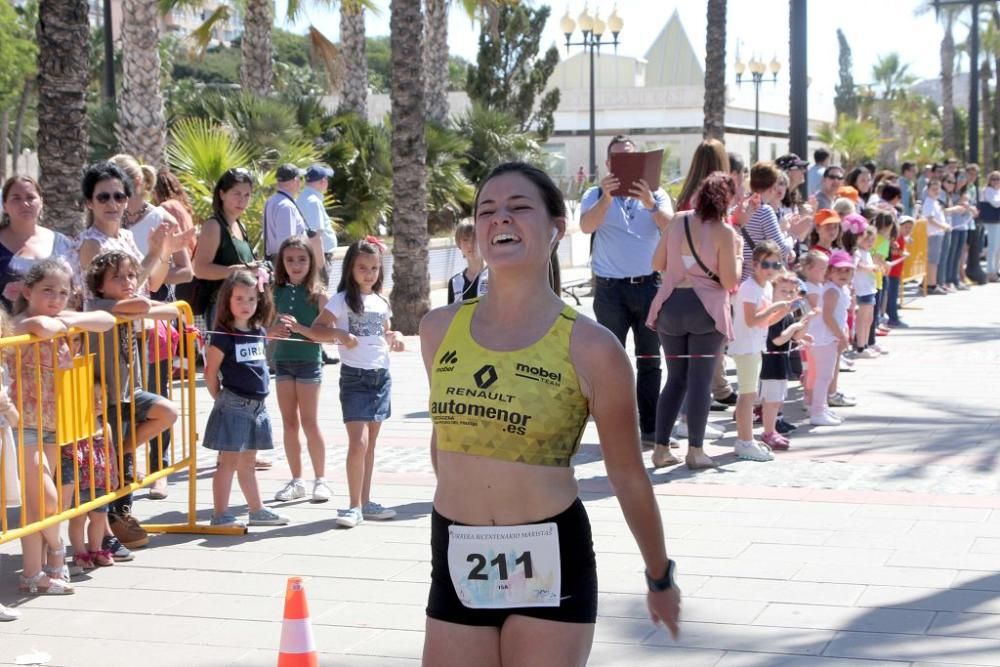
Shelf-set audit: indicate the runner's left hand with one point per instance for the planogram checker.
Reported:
(665, 607)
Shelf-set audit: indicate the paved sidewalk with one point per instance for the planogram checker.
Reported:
(876, 543)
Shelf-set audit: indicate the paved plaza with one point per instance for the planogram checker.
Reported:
(871, 544)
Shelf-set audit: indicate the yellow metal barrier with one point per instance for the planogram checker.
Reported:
(915, 266)
(60, 401)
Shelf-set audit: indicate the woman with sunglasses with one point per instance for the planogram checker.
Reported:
(23, 240)
(106, 192)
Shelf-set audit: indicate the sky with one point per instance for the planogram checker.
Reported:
(872, 28)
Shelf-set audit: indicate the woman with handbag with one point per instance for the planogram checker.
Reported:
(699, 257)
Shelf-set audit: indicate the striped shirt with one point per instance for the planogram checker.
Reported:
(763, 226)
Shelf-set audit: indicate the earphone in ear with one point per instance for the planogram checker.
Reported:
(555, 233)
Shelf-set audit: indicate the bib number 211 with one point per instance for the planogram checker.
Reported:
(504, 567)
(500, 563)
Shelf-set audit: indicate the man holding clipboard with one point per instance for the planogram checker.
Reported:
(626, 215)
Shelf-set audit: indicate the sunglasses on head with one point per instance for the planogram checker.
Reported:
(766, 264)
(239, 171)
(105, 197)
(836, 177)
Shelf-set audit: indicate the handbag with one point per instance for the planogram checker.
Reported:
(694, 253)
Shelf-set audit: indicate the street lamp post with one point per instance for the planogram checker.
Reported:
(592, 29)
(757, 70)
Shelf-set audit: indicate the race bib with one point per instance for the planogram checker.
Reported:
(503, 567)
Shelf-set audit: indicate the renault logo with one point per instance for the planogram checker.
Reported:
(485, 376)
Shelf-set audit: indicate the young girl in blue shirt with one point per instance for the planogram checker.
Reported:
(236, 375)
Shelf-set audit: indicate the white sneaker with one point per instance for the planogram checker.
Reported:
(350, 518)
(751, 450)
(824, 419)
(868, 353)
(375, 512)
(293, 490)
(711, 432)
(834, 415)
(841, 400)
(321, 492)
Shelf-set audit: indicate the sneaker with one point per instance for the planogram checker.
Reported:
(8, 614)
(729, 401)
(293, 490)
(898, 324)
(716, 406)
(841, 400)
(321, 492)
(268, 517)
(879, 349)
(867, 353)
(783, 427)
(775, 441)
(825, 419)
(845, 360)
(225, 520)
(849, 354)
(751, 450)
(118, 550)
(128, 530)
(350, 518)
(961, 287)
(375, 512)
(711, 432)
(937, 290)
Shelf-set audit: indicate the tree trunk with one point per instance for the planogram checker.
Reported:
(715, 71)
(63, 74)
(22, 111)
(947, 87)
(256, 69)
(410, 274)
(988, 129)
(353, 50)
(995, 153)
(142, 124)
(4, 143)
(436, 59)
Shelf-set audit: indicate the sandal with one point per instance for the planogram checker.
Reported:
(57, 571)
(101, 558)
(85, 561)
(33, 585)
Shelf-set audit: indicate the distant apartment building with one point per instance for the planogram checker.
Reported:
(179, 22)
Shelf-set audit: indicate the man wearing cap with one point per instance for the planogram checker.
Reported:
(282, 217)
(794, 167)
(833, 178)
(314, 211)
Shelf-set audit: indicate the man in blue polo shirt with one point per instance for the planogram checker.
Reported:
(626, 231)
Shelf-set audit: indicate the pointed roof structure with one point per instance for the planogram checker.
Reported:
(671, 60)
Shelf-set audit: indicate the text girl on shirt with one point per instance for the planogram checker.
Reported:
(362, 317)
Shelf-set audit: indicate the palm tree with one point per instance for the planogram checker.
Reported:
(256, 66)
(715, 71)
(436, 58)
(63, 74)
(142, 124)
(411, 278)
(354, 89)
(891, 75)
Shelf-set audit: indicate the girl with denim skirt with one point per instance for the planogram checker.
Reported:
(362, 316)
(236, 376)
(299, 296)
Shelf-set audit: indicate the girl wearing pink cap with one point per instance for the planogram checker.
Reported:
(830, 335)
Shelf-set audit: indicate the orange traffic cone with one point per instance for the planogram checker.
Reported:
(297, 646)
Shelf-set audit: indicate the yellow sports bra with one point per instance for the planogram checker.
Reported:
(524, 405)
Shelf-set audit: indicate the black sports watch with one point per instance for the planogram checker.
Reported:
(663, 584)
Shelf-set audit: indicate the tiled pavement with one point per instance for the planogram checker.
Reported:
(876, 543)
